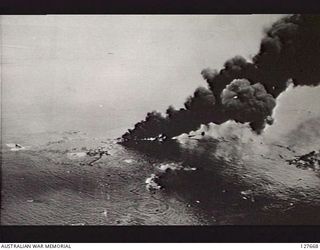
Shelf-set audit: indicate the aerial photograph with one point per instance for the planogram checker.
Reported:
(160, 119)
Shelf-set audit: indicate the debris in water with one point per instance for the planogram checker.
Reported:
(30, 201)
(56, 142)
(151, 183)
(169, 166)
(175, 166)
(97, 152)
(247, 194)
(310, 161)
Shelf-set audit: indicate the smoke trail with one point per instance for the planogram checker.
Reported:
(244, 91)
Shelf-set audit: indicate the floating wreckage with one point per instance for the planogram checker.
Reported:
(160, 138)
(152, 182)
(174, 166)
(97, 152)
(248, 195)
(56, 142)
(310, 161)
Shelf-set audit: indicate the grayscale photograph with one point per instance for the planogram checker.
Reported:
(160, 119)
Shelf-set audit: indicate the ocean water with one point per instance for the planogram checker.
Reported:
(203, 182)
(50, 183)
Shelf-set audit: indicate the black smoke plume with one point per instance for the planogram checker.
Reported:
(244, 102)
(245, 91)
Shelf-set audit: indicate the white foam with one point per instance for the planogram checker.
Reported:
(151, 183)
(15, 147)
(174, 166)
(171, 166)
(76, 155)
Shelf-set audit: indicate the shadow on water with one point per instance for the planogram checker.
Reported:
(222, 197)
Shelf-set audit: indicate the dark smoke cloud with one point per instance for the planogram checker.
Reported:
(244, 102)
(289, 50)
(153, 125)
(199, 108)
(235, 68)
(203, 99)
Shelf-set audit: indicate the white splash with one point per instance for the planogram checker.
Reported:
(15, 147)
(76, 155)
(128, 161)
(151, 183)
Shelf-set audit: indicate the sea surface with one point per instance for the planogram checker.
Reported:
(50, 181)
